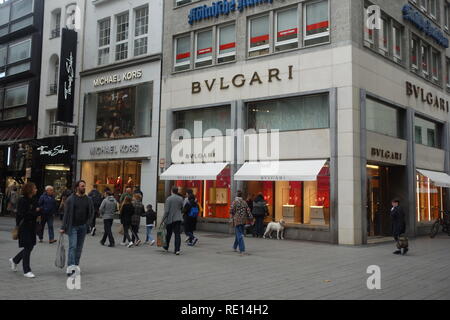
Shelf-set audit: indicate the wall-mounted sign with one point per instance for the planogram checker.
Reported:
(386, 154)
(118, 78)
(220, 8)
(114, 150)
(45, 151)
(426, 97)
(424, 24)
(66, 94)
(239, 80)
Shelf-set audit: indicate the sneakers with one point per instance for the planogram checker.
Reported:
(102, 243)
(29, 275)
(13, 265)
(152, 243)
(194, 242)
(187, 240)
(93, 231)
(178, 253)
(137, 243)
(405, 250)
(130, 244)
(166, 249)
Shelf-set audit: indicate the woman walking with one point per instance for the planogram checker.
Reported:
(139, 211)
(27, 213)
(126, 213)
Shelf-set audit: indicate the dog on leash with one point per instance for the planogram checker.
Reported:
(275, 226)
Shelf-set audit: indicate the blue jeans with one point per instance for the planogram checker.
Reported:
(149, 234)
(239, 241)
(76, 241)
(47, 220)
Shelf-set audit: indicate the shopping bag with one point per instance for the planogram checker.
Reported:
(15, 233)
(60, 261)
(120, 229)
(161, 236)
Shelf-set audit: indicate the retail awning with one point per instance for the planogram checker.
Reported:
(193, 171)
(11, 135)
(440, 179)
(302, 170)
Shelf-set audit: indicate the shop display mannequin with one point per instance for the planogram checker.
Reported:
(119, 183)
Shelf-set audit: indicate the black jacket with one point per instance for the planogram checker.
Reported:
(398, 221)
(26, 219)
(126, 213)
(260, 209)
(150, 217)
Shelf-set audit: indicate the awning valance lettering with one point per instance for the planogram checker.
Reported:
(193, 171)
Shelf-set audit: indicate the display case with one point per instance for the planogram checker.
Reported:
(218, 196)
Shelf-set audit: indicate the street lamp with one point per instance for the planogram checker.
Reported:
(75, 147)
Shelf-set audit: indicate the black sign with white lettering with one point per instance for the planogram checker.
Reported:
(66, 87)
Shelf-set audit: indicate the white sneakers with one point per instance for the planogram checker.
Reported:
(130, 244)
(29, 275)
(13, 265)
(153, 242)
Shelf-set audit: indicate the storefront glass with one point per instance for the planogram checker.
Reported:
(429, 199)
(118, 114)
(115, 175)
(58, 177)
(214, 197)
(298, 202)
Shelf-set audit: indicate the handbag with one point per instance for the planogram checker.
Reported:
(402, 242)
(161, 236)
(60, 261)
(120, 229)
(15, 231)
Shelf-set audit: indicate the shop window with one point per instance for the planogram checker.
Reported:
(259, 36)
(183, 53)
(384, 119)
(204, 49)
(427, 133)
(316, 25)
(218, 118)
(296, 202)
(298, 113)
(227, 44)
(286, 30)
(119, 114)
(122, 36)
(141, 31)
(429, 199)
(57, 176)
(115, 175)
(104, 41)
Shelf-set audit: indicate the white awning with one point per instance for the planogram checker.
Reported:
(302, 170)
(440, 179)
(193, 171)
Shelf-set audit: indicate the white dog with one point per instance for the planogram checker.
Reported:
(275, 226)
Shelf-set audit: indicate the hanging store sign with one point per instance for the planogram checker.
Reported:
(239, 80)
(118, 78)
(66, 94)
(426, 97)
(425, 25)
(220, 8)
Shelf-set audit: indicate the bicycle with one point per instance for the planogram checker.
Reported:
(444, 221)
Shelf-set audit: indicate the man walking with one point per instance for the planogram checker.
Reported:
(78, 212)
(126, 194)
(48, 208)
(398, 225)
(172, 218)
(240, 213)
(97, 200)
(108, 208)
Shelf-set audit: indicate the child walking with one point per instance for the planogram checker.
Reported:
(150, 216)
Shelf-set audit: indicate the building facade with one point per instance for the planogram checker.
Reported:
(53, 152)
(327, 108)
(120, 90)
(21, 23)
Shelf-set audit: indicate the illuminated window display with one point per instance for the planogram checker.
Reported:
(429, 199)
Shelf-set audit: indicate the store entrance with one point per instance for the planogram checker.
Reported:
(384, 183)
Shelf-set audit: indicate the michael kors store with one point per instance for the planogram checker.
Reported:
(118, 147)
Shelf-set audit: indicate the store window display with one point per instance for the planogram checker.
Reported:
(430, 199)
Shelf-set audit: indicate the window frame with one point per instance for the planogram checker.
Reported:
(126, 41)
(249, 36)
(218, 45)
(305, 17)
(106, 46)
(196, 49)
(143, 35)
(277, 43)
(175, 54)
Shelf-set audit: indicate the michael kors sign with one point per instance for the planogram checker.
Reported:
(118, 78)
(239, 80)
(114, 150)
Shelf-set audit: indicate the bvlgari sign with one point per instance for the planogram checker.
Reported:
(239, 80)
(426, 97)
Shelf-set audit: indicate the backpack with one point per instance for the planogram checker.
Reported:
(193, 212)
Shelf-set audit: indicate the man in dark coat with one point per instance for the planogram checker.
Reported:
(398, 223)
(48, 209)
(97, 200)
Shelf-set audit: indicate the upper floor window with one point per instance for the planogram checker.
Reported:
(55, 31)
(384, 119)
(227, 43)
(21, 8)
(122, 22)
(427, 133)
(183, 53)
(141, 31)
(448, 74)
(181, 2)
(14, 57)
(259, 36)
(13, 102)
(204, 49)
(16, 16)
(104, 39)
(317, 25)
(286, 29)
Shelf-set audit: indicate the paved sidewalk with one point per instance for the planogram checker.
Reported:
(211, 270)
